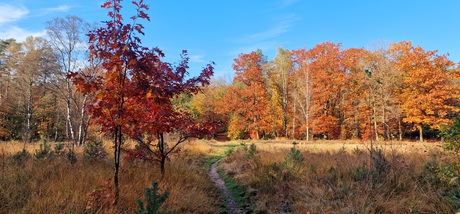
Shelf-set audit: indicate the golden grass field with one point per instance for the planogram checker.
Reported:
(335, 177)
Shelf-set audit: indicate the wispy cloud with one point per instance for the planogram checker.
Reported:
(11, 13)
(61, 8)
(282, 25)
(19, 34)
(269, 39)
(286, 3)
(197, 58)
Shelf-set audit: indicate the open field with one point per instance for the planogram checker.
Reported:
(327, 177)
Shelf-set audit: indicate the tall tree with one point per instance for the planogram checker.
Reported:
(67, 35)
(303, 85)
(327, 86)
(31, 64)
(279, 81)
(247, 98)
(6, 112)
(428, 91)
(133, 97)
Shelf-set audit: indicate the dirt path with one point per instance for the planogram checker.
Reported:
(220, 183)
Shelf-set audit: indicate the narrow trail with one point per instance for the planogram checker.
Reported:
(232, 206)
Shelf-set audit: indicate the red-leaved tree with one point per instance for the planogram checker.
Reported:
(133, 95)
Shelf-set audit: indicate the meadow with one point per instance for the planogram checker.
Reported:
(265, 177)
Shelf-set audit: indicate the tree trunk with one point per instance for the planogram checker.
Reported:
(420, 128)
(293, 120)
(307, 137)
(69, 115)
(29, 115)
(56, 127)
(116, 154)
(307, 102)
(81, 128)
(162, 166)
(376, 129)
(161, 149)
(400, 130)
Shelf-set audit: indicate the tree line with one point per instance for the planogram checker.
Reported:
(37, 100)
(327, 92)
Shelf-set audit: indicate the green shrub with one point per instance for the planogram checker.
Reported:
(229, 151)
(360, 173)
(21, 157)
(59, 149)
(94, 149)
(293, 160)
(44, 152)
(154, 201)
(71, 157)
(252, 150)
(357, 151)
(451, 137)
(379, 162)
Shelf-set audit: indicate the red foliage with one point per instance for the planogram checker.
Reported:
(133, 94)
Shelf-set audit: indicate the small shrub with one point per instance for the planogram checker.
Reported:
(360, 173)
(380, 163)
(451, 137)
(342, 150)
(154, 201)
(101, 197)
(59, 149)
(71, 157)
(44, 152)
(293, 160)
(252, 151)
(243, 144)
(357, 151)
(229, 151)
(21, 157)
(94, 149)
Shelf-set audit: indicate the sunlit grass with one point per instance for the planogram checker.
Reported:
(56, 186)
(341, 178)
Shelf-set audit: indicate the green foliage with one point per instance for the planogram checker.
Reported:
(154, 201)
(360, 173)
(94, 149)
(44, 152)
(229, 151)
(239, 192)
(71, 157)
(252, 150)
(451, 137)
(342, 150)
(21, 157)
(379, 162)
(294, 158)
(357, 151)
(59, 149)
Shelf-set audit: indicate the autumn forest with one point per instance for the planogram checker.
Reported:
(325, 92)
(322, 129)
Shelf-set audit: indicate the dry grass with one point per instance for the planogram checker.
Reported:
(341, 178)
(336, 177)
(56, 186)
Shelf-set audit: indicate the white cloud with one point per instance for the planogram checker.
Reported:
(282, 25)
(19, 34)
(271, 33)
(197, 58)
(10, 13)
(269, 39)
(61, 8)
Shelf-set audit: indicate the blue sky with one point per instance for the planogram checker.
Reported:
(219, 30)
